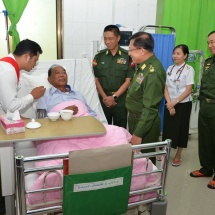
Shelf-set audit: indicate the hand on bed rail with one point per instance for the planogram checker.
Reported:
(135, 140)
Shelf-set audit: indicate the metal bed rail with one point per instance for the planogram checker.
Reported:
(143, 28)
(21, 172)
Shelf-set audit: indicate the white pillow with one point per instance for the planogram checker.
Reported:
(32, 81)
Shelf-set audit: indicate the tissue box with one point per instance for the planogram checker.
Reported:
(10, 126)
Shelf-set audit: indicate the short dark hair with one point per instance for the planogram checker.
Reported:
(184, 49)
(143, 40)
(27, 46)
(212, 32)
(112, 28)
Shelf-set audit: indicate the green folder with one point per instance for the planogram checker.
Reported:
(97, 193)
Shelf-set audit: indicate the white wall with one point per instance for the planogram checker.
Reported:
(84, 21)
(37, 23)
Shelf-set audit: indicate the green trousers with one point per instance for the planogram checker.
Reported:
(150, 137)
(206, 130)
(116, 115)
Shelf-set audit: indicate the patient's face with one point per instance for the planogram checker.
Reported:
(58, 77)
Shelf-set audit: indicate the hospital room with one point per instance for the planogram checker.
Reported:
(102, 107)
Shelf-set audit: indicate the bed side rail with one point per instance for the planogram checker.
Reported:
(21, 172)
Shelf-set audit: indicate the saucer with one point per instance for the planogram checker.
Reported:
(33, 124)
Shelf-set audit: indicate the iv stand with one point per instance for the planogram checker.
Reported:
(6, 29)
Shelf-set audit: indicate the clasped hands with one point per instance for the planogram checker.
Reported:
(170, 107)
(109, 101)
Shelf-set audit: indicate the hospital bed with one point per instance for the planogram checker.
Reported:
(81, 78)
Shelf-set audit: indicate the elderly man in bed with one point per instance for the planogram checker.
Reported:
(61, 95)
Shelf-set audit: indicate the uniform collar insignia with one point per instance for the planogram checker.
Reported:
(143, 66)
(107, 52)
(120, 53)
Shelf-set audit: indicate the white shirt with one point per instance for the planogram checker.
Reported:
(178, 77)
(9, 88)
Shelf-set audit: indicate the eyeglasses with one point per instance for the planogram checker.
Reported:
(130, 50)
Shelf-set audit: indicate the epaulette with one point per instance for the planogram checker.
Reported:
(211, 57)
(123, 50)
(101, 51)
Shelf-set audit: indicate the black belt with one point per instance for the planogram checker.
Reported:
(135, 115)
(211, 101)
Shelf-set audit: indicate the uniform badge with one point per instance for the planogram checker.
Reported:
(132, 64)
(120, 53)
(94, 63)
(139, 78)
(121, 61)
(208, 65)
(151, 68)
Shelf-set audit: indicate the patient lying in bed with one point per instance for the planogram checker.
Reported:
(57, 98)
(59, 92)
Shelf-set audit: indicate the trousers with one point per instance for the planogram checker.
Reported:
(151, 136)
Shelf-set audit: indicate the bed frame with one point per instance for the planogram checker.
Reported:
(80, 72)
(158, 206)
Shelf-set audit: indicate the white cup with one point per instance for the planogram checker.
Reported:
(66, 114)
(53, 116)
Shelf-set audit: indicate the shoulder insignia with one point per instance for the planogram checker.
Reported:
(101, 51)
(207, 66)
(143, 66)
(94, 62)
(151, 68)
(123, 50)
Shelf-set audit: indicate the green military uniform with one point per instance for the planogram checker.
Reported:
(206, 120)
(112, 72)
(143, 100)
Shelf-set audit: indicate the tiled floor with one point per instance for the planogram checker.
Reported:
(187, 195)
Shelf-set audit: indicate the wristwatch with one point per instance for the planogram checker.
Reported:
(115, 97)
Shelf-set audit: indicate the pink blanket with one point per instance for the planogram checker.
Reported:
(114, 136)
(82, 109)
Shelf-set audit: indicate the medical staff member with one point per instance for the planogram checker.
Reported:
(146, 91)
(179, 83)
(206, 120)
(24, 57)
(113, 71)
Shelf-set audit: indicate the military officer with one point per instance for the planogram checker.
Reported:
(146, 90)
(113, 71)
(206, 120)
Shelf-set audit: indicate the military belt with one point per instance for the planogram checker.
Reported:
(134, 115)
(211, 101)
